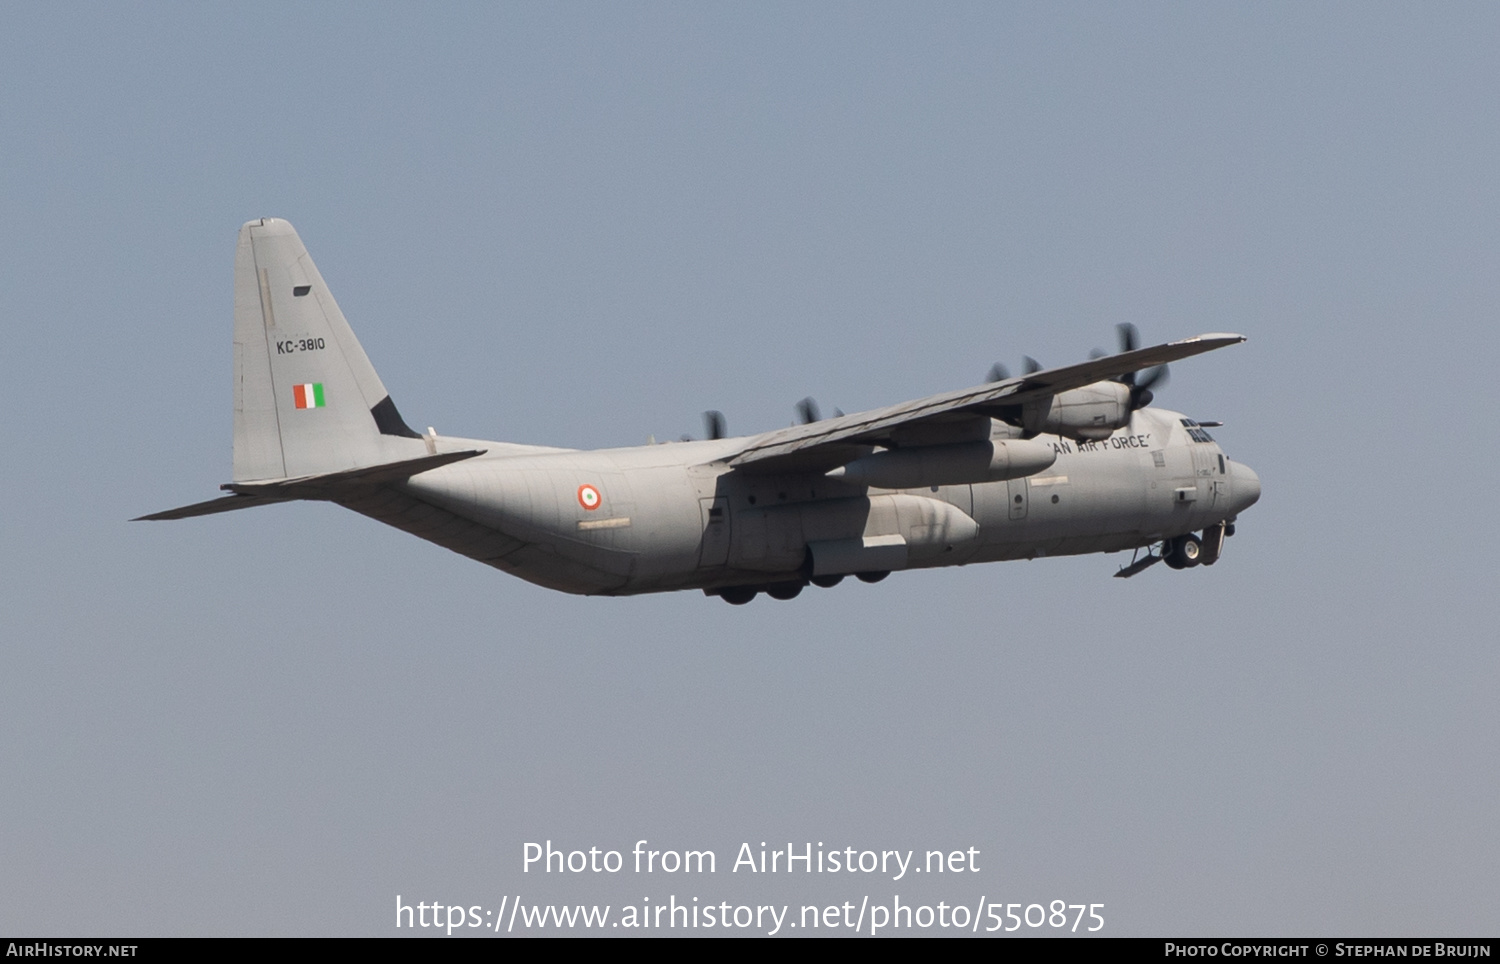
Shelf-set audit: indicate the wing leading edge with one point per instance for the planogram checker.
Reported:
(833, 441)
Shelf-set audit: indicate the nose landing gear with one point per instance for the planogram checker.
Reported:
(1183, 552)
(1187, 551)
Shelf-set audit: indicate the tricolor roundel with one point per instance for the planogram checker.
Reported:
(308, 396)
(589, 497)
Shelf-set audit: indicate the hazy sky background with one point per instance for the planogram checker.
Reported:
(585, 224)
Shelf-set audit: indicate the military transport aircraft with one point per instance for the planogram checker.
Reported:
(1055, 462)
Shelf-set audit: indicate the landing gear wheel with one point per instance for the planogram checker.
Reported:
(737, 595)
(871, 576)
(827, 582)
(1183, 552)
(784, 590)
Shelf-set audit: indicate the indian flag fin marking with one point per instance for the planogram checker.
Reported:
(308, 396)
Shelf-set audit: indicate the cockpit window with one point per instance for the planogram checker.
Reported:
(1196, 433)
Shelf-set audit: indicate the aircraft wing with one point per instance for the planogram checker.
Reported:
(834, 441)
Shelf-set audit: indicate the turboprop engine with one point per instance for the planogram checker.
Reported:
(963, 463)
(1089, 413)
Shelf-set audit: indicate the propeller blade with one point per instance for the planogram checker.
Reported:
(1140, 389)
(1153, 377)
(998, 373)
(1030, 365)
(807, 410)
(1139, 383)
(714, 424)
(1130, 339)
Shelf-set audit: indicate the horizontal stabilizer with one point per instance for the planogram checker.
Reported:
(319, 486)
(325, 486)
(226, 503)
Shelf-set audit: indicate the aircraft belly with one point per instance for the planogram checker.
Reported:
(435, 524)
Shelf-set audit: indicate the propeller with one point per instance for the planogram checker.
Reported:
(714, 426)
(1140, 383)
(999, 373)
(808, 411)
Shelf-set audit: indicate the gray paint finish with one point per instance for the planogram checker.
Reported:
(581, 225)
(791, 504)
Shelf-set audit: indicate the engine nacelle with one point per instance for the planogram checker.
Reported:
(1085, 414)
(965, 463)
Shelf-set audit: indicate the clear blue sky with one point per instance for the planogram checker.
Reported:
(585, 224)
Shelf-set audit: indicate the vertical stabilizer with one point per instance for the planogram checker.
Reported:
(306, 398)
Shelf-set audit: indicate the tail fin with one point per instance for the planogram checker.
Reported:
(306, 398)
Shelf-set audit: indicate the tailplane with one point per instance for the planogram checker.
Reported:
(328, 486)
(307, 400)
(311, 418)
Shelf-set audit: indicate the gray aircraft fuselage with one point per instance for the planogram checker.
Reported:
(671, 516)
(1057, 461)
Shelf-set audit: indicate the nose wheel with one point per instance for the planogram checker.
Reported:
(1184, 552)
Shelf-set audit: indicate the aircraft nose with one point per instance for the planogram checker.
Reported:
(1246, 486)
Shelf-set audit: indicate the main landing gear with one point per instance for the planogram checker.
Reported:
(739, 595)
